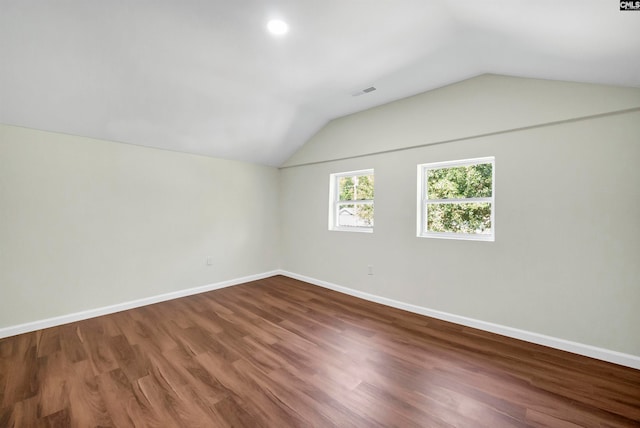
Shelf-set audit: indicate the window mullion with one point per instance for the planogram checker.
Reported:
(353, 202)
(457, 200)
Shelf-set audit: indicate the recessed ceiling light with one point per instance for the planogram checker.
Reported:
(277, 27)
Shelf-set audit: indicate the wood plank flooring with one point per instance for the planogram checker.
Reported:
(279, 353)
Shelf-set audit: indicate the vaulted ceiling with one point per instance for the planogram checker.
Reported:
(206, 77)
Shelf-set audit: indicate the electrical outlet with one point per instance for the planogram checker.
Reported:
(370, 270)
(209, 261)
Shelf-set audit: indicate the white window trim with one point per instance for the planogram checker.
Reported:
(422, 200)
(334, 195)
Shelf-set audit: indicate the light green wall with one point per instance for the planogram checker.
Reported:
(565, 259)
(484, 104)
(86, 223)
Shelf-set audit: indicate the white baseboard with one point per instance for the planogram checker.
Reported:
(623, 359)
(620, 358)
(91, 313)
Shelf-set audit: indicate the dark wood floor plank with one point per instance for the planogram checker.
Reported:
(53, 372)
(6, 414)
(205, 321)
(122, 405)
(59, 419)
(24, 414)
(129, 358)
(263, 404)
(280, 352)
(48, 341)
(21, 370)
(86, 404)
(208, 388)
(332, 406)
(71, 342)
(293, 401)
(96, 345)
(232, 414)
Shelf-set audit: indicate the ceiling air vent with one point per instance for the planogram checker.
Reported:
(364, 91)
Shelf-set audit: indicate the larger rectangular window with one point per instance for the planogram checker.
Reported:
(456, 199)
(351, 201)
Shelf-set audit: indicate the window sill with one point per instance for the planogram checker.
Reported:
(357, 230)
(459, 237)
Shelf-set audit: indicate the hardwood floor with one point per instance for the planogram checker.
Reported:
(279, 352)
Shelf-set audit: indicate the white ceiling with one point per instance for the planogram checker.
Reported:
(204, 76)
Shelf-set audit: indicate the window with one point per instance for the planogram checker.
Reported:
(456, 199)
(351, 201)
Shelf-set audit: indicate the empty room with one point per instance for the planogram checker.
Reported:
(319, 214)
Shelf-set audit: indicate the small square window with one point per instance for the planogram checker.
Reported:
(351, 201)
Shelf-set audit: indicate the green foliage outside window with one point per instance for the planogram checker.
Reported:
(473, 181)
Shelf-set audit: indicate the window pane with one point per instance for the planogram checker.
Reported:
(355, 188)
(355, 215)
(364, 188)
(346, 188)
(473, 181)
(470, 218)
